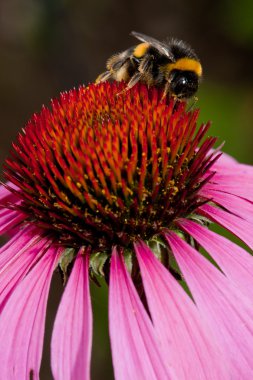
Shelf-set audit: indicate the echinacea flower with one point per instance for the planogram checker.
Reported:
(125, 186)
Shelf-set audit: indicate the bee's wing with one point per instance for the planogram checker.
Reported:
(161, 47)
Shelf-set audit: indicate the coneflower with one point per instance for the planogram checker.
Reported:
(125, 187)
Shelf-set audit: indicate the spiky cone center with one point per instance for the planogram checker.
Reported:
(104, 167)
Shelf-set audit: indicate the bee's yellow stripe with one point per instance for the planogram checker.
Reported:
(186, 64)
(140, 50)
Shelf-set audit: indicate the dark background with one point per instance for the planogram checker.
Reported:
(50, 46)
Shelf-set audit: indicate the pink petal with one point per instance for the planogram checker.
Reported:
(135, 349)
(226, 310)
(6, 195)
(9, 219)
(232, 203)
(240, 185)
(227, 164)
(72, 334)
(239, 227)
(225, 160)
(18, 266)
(18, 244)
(22, 322)
(234, 261)
(178, 323)
(225, 180)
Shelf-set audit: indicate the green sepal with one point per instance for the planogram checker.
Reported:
(200, 219)
(157, 246)
(128, 258)
(97, 262)
(65, 260)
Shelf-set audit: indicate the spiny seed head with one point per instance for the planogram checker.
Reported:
(102, 167)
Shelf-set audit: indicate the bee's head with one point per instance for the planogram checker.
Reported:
(183, 84)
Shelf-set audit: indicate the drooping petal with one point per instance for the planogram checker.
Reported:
(178, 323)
(228, 164)
(72, 333)
(18, 244)
(9, 219)
(22, 322)
(239, 227)
(19, 265)
(224, 180)
(232, 203)
(225, 160)
(234, 261)
(6, 195)
(227, 311)
(135, 349)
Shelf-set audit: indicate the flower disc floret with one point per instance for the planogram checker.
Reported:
(104, 167)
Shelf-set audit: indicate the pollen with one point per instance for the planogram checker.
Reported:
(101, 169)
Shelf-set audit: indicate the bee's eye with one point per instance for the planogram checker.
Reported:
(183, 84)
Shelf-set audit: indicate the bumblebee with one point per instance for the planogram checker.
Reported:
(173, 66)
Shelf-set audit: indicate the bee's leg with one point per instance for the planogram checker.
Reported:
(135, 79)
(103, 77)
(192, 104)
(166, 90)
(147, 64)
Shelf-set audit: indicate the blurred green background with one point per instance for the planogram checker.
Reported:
(53, 45)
